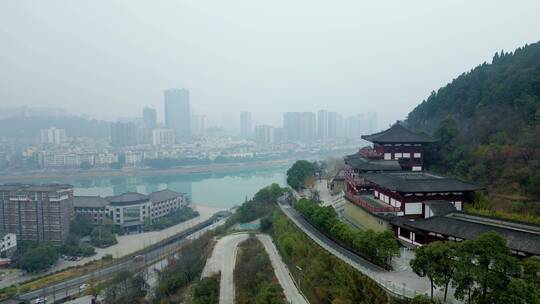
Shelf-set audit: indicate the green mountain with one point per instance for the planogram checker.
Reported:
(488, 122)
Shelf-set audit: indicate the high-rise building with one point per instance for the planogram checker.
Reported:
(333, 124)
(280, 135)
(198, 126)
(124, 134)
(264, 134)
(246, 128)
(178, 112)
(149, 118)
(53, 136)
(353, 126)
(36, 212)
(162, 137)
(300, 126)
(322, 124)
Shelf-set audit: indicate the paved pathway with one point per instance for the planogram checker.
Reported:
(223, 260)
(401, 281)
(283, 275)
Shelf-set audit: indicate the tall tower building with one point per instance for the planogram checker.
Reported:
(264, 134)
(198, 125)
(332, 124)
(322, 124)
(246, 128)
(149, 118)
(300, 126)
(124, 134)
(178, 112)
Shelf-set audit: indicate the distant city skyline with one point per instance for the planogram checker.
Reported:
(355, 57)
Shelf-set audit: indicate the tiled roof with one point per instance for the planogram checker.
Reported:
(358, 162)
(128, 198)
(398, 134)
(89, 202)
(419, 182)
(525, 240)
(38, 188)
(164, 195)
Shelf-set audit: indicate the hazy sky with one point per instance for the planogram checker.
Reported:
(110, 58)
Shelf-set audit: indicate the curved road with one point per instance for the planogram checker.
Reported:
(223, 260)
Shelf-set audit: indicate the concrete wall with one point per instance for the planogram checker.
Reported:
(364, 219)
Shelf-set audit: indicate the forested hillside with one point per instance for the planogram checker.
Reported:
(488, 123)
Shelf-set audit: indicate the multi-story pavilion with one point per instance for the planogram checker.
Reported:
(400, 144)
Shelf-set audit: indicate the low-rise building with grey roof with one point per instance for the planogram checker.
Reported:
(129, 210)
(92, 207)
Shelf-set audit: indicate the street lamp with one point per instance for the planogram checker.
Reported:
(299, 276)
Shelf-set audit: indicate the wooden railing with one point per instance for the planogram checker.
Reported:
(359, 201)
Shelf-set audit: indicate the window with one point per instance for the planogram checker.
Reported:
(417, 155)
(387, 156)
(406, 155)
(398, 155)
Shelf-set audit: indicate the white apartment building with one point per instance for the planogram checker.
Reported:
(162, 137)
(130, 210)
(53, 136)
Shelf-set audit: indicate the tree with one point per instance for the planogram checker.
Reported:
(518, 292)
(444, 264)
(38, 257)
(95, 287)
(299, 172)
(126, 288)
(463, 279)
(102, 237)
(81, 225)
(423, 264)
(493, 266)
(206, 291)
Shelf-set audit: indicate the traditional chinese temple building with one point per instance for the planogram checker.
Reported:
(400, 144)
(445, 223)
(386, 188)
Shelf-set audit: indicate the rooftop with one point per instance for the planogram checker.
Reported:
(89, 202)
(408, 181)
(37, 188)
(398, 134)
(164, 195)
(340, 175)
(524, 238)
(361, 163)
(128, 198)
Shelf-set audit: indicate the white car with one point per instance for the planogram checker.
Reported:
(83, 286)
(41, 300)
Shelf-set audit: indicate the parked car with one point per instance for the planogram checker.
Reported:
(41, 300)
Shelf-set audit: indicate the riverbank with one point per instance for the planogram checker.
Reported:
(131, 172)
